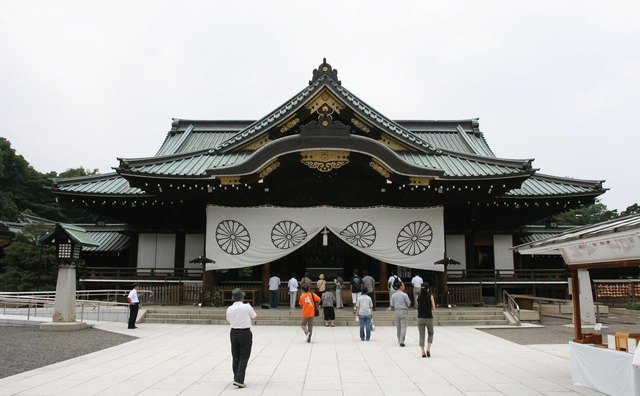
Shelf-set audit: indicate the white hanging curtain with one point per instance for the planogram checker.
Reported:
(244, 237)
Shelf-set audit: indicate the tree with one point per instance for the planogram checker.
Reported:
(77, 172)
(27, 264)
(585, 215)
(633, 209)
(22, 188)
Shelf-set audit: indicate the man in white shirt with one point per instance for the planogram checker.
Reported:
(239, 315)
(274, 284)
(293, 291)
(416, 282)
(134, 305)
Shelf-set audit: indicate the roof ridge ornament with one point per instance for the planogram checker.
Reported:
(323, 69)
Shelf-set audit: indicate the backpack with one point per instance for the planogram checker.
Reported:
(396, 283)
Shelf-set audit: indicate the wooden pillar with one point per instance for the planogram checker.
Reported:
(178, 258)
(575, 288)
(383, 275)
(207, 278)
(442, 286)
(266, 274)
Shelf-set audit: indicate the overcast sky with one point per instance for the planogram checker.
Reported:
(82, 83)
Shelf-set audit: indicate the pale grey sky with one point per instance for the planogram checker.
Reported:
(84, 82)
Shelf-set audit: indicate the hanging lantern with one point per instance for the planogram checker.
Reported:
(325, 237)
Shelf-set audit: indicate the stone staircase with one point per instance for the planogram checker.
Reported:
(471, 316)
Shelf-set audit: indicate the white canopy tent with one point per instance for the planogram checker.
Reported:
(614, 243)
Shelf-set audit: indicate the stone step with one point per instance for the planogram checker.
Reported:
(320, 324)
(296, 317)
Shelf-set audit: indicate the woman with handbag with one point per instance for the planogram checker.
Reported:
(426, 305)
(321, 285)
(327, 305)
(309, 303)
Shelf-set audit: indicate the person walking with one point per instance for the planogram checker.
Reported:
(370, 284)
(355, 288)
(339, 284)
(293, 291)
(327, 306)
(134, 305)
(416, 284)
(308, 302)
(274, 284)
(426, 306)
(393, 283)
(321, 285)
(239, 316)
(400, 301)
(364, 312)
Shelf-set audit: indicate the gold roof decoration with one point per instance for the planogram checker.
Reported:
(419, 181)
(229, 180)
(266, 170)
(361, 125)
(381, 169)
(325, 98)
(289, 123)
(325, 160)
(257, 143)
(394, 144)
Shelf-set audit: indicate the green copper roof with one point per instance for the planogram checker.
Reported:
(77, 234)
(109, 242)
(108, 184)
(545, 185)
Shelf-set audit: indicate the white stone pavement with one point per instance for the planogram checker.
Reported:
(196, 360)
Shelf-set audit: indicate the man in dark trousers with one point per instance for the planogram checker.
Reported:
(134, 305)
(239, 315)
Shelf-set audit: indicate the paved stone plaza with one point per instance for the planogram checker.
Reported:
(196, 360)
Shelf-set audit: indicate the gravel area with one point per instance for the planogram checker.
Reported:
(555, 333)
(28, 348)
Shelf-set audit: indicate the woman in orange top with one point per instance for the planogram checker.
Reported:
(308, 302)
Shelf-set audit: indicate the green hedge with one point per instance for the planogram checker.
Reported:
(634, 306)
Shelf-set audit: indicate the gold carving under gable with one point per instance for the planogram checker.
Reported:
(381, 169)
(393, 144)
(419, 181)
(325, 160)
(229, 180)
(360, 125)
(325, 97)
(289, 124)
(256, 144)
(264, 172)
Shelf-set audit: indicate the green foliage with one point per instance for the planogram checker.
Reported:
(634, 306)
(27, 265)
(586, 215)
(77, 172)
(630, 210)
(22, 189)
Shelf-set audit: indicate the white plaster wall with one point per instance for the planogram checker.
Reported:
(147, 251)
(455, 246)
(166, 251)
(502, 254)
(193, 247)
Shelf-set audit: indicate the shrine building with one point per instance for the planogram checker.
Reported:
(327, 184)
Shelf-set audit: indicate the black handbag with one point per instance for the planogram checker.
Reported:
(317, 313)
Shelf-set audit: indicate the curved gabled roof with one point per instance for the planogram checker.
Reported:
(108, 184)
(540, 185)
(446, 149)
